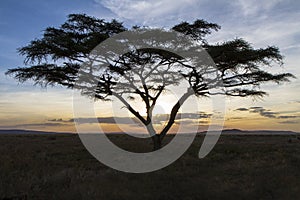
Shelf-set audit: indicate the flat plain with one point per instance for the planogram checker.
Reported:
(57, 166)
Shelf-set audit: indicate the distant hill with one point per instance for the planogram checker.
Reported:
(255, 132)
(20, 131)
(224, 132)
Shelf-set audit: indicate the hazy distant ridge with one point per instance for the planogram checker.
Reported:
(19, 131)
(224, 132)
(256, 132)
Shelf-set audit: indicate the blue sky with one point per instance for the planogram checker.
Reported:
(262, 23)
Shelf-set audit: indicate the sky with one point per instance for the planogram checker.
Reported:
(262, 23)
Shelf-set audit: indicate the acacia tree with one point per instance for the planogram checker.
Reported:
(57, 57)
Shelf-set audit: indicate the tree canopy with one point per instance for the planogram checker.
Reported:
(57, 57)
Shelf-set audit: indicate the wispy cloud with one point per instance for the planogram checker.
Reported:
(149, 12)
(294, 102)
(260, 22)
(263, 112)
(267, 113)
(290, 122)
(36, 125)
(242, 109)
(157, 119)
(105, 120)
(255, 7)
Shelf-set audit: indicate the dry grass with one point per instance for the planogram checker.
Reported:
(239, 167)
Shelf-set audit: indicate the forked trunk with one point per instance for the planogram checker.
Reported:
(156, 142)
(156, 139)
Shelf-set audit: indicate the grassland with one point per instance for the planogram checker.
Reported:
(239, 167)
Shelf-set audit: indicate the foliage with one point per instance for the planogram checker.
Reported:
(56, 58)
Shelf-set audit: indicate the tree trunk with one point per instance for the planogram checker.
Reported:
(156, 142)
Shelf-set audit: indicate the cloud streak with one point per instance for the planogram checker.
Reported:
(266, 113)
(157, 119)
(149, 12)
(290, 122)
(37, 125)
(255, 7)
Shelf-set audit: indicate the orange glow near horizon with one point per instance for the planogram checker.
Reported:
(53, 110)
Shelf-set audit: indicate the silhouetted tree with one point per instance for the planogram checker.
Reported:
(57, 57)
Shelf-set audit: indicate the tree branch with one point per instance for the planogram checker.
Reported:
(134, 112)
(175, 110)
